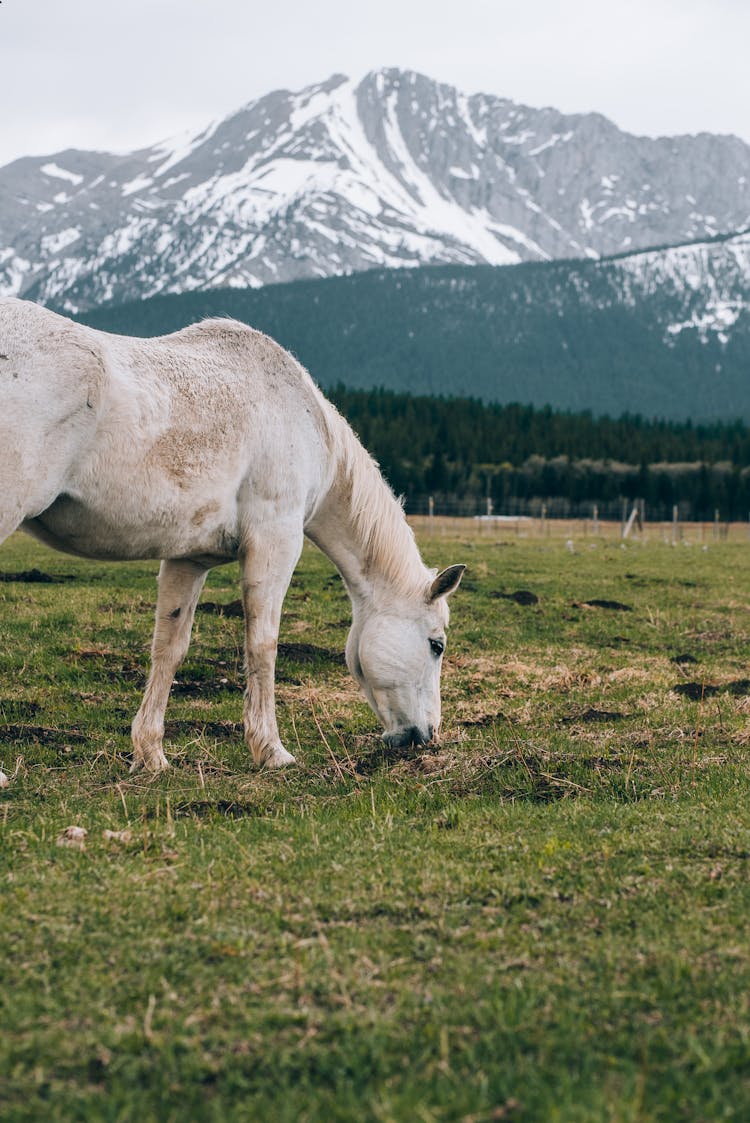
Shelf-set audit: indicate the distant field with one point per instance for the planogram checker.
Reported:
(546, 918)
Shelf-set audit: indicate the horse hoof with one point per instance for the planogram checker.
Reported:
(279, 758)
(154, 765)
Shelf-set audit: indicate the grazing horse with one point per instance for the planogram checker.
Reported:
(199, 448)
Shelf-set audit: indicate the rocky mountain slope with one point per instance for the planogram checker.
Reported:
(395, 171)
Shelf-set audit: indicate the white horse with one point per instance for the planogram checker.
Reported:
(202, 447)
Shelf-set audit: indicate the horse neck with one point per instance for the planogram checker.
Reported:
(361, 527)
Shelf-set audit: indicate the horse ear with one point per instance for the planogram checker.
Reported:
(446, 582)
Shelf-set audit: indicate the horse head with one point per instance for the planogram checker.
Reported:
(395, 652)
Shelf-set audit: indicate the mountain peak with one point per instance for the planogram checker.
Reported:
(392, 170)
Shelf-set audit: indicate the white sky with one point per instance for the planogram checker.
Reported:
(121, 74)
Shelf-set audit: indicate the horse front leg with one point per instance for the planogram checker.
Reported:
(267, 566)
(180, 584)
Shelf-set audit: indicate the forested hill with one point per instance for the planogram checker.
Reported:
(659, 334)
(462, 451)
(408, 427)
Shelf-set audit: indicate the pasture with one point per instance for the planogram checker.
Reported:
(545, 918)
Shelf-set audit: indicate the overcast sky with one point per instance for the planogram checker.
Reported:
(121, 74)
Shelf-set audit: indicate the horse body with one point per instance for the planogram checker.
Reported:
(168, 443)
(202, 447)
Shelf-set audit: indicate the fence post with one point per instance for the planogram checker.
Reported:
(716, 524)
(596, 519)
(675, 523)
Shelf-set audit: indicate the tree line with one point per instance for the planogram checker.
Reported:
(461, 450)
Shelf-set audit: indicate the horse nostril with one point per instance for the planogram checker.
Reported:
(417, 737)
(430, 731)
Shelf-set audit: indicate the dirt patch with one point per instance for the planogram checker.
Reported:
(197, 687)
(482, 720)
(385, 756)
(593, 715)
(16, 709)
(194, 688)
(310, 653)
(41, 734)
(638, 580)
(609, 605)
(220, 730)
(696, 690)
(521, 596)
(194, 681)
(232, 608)
(737, 688)
(37, 577)
(608, 763)
(205, 808)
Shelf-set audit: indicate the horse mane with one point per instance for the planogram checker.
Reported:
(376, 516)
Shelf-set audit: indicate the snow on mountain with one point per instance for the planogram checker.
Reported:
(709, 284)
(397, 170)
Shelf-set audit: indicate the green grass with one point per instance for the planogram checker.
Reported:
(544, 919)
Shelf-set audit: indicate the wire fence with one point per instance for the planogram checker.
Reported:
(624, 519)
(558, 507)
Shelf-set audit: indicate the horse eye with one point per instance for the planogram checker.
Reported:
(438, 647)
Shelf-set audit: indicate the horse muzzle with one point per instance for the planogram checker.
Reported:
(413, 736)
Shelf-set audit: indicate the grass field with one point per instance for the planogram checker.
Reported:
(544, 919)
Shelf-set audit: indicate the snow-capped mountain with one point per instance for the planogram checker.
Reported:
(397, 170)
